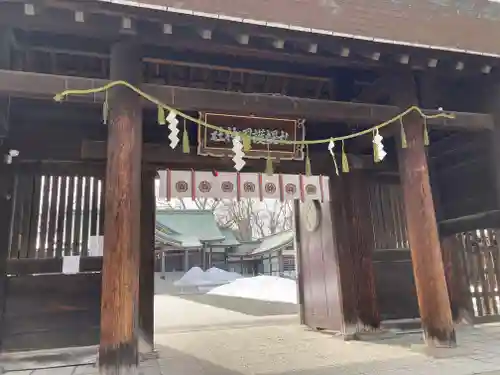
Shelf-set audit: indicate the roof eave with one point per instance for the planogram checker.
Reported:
(296, 28)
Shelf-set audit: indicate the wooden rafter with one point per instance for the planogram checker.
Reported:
(185, 72)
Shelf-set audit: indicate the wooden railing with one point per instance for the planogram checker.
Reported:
(471, 256)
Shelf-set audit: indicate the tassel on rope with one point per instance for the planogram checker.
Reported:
(331, 146)
(345, 161)
(404, 144)
(426, 133)
(376, 154)
(269, 166)
(247, 142)
(185, 140)
(269, 162)
(105, 109)
(161, 115)
(308, 163)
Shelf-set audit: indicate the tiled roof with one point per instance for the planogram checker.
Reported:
(472, 26)
(274, 242)
(229, 238)
(190, 226)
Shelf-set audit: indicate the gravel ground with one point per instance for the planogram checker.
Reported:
(195, 338)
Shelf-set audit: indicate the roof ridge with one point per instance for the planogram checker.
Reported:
(277, 233)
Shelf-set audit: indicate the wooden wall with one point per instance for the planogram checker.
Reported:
(396, 292)
(55, 210)
(51, 311)
(393, 270)
(462, 175)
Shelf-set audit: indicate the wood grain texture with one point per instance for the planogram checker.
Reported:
(147, 258)
(362, 244)
(396, 292)
(422, 229)
(319, 273)
(118, 351)
(51, 311)
(193, 99)
(457, 279)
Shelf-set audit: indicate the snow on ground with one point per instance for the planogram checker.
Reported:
(214, 276)
(191, 277)
(264, 288)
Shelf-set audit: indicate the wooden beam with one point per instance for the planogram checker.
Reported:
(164, 157)
(482, 220)
(378, 89)
(27, 84)
(118, 350)
(30, 266)
(147, 259)
(433, 300)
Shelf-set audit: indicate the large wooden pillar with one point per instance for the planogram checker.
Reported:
(118, 351)
(433, 300)
(147, 258)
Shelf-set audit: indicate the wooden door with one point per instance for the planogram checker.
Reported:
(319, 279)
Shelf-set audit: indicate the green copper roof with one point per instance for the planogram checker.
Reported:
(188, 228)
(229, 238)
(246, 247)
(193, 228)
(274, 242)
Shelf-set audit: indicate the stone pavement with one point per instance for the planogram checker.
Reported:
(196, 338)
(289, 349)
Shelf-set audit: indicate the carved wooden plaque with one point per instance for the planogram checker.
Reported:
(215, 143)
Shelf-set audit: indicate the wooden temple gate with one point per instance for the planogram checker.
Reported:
(354, 250)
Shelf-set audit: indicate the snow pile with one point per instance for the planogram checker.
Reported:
(192, 277)
(264, 288)
(214, 276)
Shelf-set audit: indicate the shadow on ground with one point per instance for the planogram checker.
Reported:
(18, 361)
(243, 305)
(470, 340)
(174, 362)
